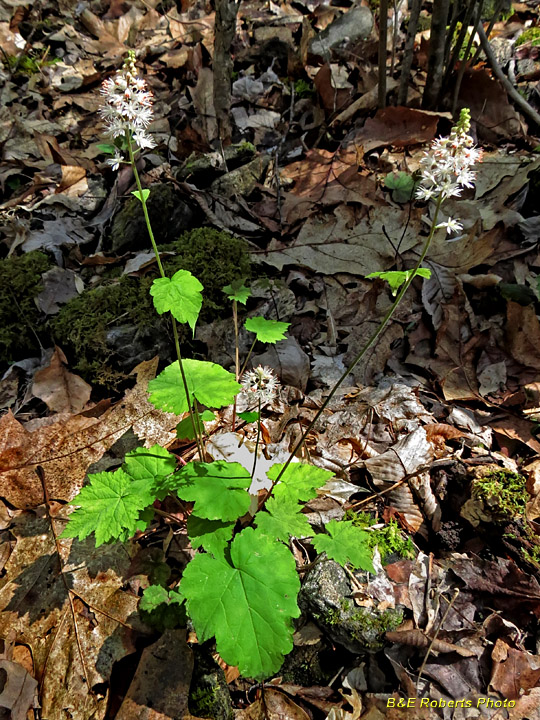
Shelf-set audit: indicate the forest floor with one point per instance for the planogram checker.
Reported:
(433, 438)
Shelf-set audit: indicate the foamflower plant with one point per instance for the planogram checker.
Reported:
(241, 586)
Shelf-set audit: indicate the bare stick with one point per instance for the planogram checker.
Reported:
(520, 101)
(437, 37)
(383, 40)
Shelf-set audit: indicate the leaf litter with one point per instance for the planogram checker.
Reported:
(464, 354)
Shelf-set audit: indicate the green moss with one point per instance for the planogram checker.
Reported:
(503, 492)
(30, 64)
(390, 540)
(376, 624)
(204, 700)
(303, 89)
(81, 325)
(215, 258)
(332, 617)
(531, 35)
(20, 320)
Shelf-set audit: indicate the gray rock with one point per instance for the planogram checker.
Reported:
(289, 361)
(327, 595)
(132, 345)
(347, 29)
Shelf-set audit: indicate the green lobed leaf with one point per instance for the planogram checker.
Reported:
(237, 291)
(212, 535)
(152, 466)
(345, 543)
(110, 507)
(396, 278)
(184, 429)
(209, 383)
(246, 602)
(402, 185)
(282, 519)
(180, 295)
(218, 489)
(267, 331)
(145, 194)
(299, 482)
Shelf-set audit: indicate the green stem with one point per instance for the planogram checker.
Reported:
(369, 343)
(248, 356)
(236, 356)
(257, 442)
(162, 273)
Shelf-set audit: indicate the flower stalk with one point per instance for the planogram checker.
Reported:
(446, 168)
(127, 113)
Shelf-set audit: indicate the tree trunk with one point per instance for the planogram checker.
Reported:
(437, 38)
(225, 26)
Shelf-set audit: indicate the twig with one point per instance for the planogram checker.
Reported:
(463, 65)
(430, 648)
(514, 95)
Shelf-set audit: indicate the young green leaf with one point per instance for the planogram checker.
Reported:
(162, 608)
(218, 489)
(249, 416)
(145, 194)
(212, 535)
(402, 185)
(246, 602)
(107, 148)
(299, 481)
(237, 291)
(180, 295)
(396, 278)
(184, 429)
(110, 506)
(267, 331)
(150, 465)
(209, 383)
(282, 519)
(345, 543)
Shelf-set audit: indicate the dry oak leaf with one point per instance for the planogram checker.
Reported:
(513, 671)
(67, 447)
(74, 639)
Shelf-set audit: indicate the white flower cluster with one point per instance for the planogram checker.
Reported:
(260, 384)
(128, 108)
(446, 167)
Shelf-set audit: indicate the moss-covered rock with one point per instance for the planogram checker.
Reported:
(20, 320)
(169, 215)
(209, 694)
(107, 330)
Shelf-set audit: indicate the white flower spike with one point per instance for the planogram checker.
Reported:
(128, 108)
(446, 167)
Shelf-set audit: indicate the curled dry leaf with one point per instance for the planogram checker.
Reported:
(417, 638)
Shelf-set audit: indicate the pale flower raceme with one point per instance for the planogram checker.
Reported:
(446, 167)
(260, 384)
(128, 108)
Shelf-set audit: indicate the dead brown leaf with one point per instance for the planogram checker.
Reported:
(59, 389)
(327, 178)
(514, 671)
(67, 447)
(400, 127)
(523, 334)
